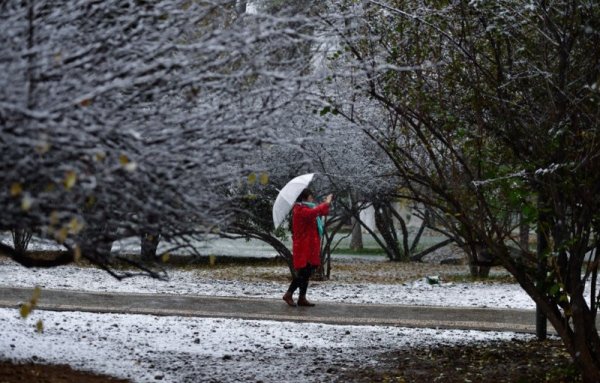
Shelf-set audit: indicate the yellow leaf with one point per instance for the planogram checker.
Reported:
(26, 202)
(123, 159)
(15, 189)
(70, 179)
(25, 310)
(75, 226)
(165, 257)
(86, 102)
(61, 235)
(37, 292)
(54, 218)
(42, 148)
(100, 156)
(185, 6)
(264, 178)
(39, 326)
(252, 178)
(212, 260)
(91, 201)
(129, 165)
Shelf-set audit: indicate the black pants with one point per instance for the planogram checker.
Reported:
(301, 280)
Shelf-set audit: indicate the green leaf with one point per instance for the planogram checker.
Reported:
(554, 290)
(529, 212)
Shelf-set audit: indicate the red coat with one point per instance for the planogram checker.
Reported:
(306, 247)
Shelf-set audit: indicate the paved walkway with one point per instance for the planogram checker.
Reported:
(269, 309)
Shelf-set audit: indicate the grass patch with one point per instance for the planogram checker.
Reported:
(498, 361)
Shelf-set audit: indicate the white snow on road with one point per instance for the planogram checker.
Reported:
(420, 292)
(147, 348)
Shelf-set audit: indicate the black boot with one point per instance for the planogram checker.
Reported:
(303, 302)
(288, 298)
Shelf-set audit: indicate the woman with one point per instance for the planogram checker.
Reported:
(306, 243)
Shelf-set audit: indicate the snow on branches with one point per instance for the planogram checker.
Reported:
(125, 117)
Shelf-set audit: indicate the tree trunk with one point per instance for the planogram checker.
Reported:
(541, 330)
(327, 246)
(586, 340)
(419, 257)
(356, 241)
(21, 238)
(481, 262)
(542, 233)
(523, 233)
(417, 238)
(484, 271)
(96, 244)
(386, 228)
(478, 271)
(405, 253)
(149, 244)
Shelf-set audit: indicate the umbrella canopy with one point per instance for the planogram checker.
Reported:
(287, 197)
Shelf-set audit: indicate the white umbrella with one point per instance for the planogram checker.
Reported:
(287, 197)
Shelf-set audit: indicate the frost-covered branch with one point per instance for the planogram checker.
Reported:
(121, 118)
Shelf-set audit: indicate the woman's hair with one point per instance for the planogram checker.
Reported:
(304, 195)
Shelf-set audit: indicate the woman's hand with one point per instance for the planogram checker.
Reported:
(329, 198)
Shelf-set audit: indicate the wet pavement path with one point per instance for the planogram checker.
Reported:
(270, 309)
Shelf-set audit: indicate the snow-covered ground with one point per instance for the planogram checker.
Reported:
(146, 348)
(419, 292)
